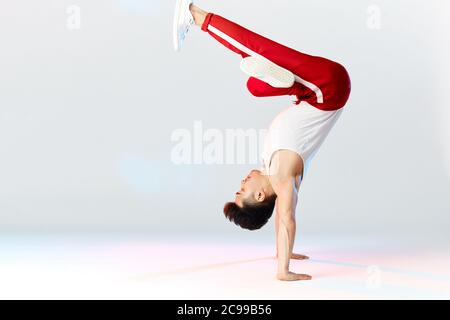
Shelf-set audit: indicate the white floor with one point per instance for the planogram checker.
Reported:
(87, 267)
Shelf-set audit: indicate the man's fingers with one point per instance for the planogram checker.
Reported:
(299, 256)
(296, 256)
(303, 277)
(293, 277)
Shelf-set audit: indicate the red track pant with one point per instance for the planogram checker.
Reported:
(323, 83)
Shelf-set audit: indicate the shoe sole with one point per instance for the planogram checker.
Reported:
(268, 72)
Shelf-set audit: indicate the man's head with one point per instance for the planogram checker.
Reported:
(254, 202)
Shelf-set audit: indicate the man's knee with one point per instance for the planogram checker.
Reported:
(256, 87)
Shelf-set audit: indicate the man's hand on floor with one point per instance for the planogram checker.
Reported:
(291, 276)
(296, 256)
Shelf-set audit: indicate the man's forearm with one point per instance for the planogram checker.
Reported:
(277, 225)
(285, 242)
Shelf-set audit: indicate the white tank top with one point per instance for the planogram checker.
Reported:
(300, 128)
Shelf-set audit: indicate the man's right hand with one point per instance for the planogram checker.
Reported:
(291, 276)
(296, 256)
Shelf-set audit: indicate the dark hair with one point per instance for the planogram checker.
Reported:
(251, 216)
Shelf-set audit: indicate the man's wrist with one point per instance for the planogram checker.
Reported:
(283, 270)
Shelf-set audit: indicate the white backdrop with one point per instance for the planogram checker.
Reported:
(91, 93)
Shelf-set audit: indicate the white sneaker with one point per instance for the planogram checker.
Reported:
(182, 22)
(268, 72)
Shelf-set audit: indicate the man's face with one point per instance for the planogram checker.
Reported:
(250, 185)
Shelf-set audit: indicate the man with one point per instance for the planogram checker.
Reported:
(321, 87)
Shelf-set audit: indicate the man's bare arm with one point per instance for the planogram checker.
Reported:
(295, 256)
(286, 203)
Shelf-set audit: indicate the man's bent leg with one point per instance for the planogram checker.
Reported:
(248, 43)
